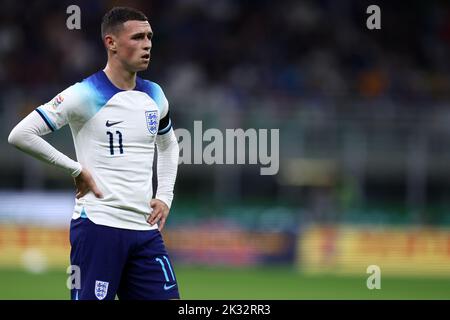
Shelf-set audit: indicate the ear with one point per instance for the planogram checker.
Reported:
(110, 43)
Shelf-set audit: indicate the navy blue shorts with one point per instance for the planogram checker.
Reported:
(132, 264)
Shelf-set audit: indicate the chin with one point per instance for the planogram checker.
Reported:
(142, 67)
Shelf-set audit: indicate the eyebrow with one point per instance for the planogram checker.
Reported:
(142, 34)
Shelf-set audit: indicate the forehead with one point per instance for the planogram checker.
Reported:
(136, 26)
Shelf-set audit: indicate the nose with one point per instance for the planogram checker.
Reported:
(148, 45)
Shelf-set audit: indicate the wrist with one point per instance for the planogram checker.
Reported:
(166, 200)
(77, 170)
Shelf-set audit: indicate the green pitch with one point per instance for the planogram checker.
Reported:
(243, 283)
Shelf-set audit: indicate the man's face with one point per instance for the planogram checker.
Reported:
(133, 45)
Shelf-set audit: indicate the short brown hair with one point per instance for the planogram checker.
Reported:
(115, 17)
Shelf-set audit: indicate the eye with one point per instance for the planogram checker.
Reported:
(138, 36)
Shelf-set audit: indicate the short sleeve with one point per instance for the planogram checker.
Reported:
(56, 113)
(165, 124)
(157, 94)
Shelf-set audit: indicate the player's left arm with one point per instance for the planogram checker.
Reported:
(167, 166)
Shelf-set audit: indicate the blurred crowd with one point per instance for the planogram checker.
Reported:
(254, 63)
(241, 49)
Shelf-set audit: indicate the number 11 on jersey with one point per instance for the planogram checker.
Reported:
(111, 142)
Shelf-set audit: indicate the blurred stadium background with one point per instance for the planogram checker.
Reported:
(364, 133)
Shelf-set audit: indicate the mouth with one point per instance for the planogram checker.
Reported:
(146, 56)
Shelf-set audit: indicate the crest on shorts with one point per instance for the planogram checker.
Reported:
(101, 289)
(151, 118)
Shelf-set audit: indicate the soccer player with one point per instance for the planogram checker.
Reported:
(116, 118)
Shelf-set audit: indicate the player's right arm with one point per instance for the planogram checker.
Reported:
(26, 136)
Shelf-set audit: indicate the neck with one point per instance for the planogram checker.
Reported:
(120, 77)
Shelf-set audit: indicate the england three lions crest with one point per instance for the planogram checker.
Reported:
(101, 289)
(151, 118)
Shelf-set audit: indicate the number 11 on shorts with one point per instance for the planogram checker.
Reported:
(163, 267)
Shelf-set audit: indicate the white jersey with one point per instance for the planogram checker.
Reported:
(114, 133)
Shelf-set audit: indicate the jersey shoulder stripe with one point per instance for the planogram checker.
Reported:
(154, 91)
(81, 101)
(100, 89)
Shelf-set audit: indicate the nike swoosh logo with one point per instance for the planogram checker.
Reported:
(109, 124)
(166, 287)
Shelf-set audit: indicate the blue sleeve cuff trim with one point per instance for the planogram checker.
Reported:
(166, 129)
(47, 120)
